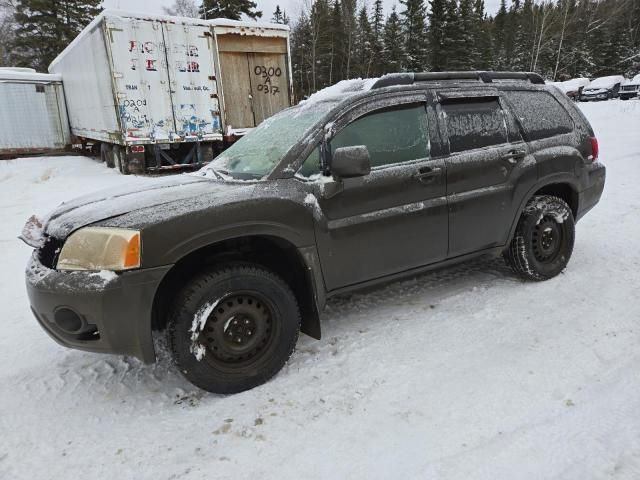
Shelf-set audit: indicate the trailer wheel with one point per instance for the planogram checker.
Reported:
(104, 153)
(108, 155)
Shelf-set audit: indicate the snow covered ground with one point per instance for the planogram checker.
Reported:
(466, 373)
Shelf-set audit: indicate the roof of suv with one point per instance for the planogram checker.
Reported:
(351, 89)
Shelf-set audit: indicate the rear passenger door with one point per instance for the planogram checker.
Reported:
(488, 168)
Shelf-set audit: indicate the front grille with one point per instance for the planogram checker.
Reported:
(48, 253)
(630, 88)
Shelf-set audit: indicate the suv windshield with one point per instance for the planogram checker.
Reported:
(259, 151)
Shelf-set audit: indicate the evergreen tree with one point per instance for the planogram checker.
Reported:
(437, 34)
(483, 38)
(362, 47)
(44, 28)
(413, 19)
(499, 36)
(377, 39)
(393, 54)
(278, 16)
(233, 9)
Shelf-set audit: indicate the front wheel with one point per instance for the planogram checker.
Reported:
(233, 328)
(543, 242)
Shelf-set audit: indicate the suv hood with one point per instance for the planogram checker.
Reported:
(106, 204)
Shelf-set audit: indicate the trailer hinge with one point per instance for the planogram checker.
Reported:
(212, 77)
(208, 34)
(214, 95)
(117, 75)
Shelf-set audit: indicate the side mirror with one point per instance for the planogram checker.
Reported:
(349, 162)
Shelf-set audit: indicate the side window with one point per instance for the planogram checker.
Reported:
(393, 135)
(474, 123)
(311, 165)
(540, 114)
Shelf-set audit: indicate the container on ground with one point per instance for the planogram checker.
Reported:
(33, 117)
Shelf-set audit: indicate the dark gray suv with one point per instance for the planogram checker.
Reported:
(364, 183)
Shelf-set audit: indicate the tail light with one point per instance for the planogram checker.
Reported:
(137, 149)
(595, 150)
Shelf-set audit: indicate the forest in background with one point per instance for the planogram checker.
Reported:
(333, 40)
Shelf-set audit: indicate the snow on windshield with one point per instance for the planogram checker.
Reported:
(259, 151)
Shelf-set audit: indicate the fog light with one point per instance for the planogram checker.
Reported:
(68, 320)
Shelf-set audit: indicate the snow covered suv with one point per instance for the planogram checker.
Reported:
(364, 183)
(630, 89)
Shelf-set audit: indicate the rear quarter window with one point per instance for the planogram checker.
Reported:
(540, 114)
(474, 123)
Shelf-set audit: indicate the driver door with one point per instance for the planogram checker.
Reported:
(395, 218)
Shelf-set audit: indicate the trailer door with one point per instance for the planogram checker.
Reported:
(193, 81)
(255, 78)
(141, 82)
(269, 85)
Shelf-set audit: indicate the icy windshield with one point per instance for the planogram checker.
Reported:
(259, 151)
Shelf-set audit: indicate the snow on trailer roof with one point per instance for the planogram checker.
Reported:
(23, 75)
(226, 22)
(222, 22)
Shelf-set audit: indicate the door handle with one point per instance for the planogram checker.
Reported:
(427, 174)
(513, 156)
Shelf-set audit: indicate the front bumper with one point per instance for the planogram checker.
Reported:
(599, 96)
(114, 310)
(587, 199)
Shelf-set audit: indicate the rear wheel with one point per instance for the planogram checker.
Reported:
(233, 328)
(543, 242)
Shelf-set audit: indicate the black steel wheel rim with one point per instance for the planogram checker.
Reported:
(239, 331)
(548, 240)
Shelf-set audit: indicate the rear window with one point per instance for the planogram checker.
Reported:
(540, 114)
(474, 123)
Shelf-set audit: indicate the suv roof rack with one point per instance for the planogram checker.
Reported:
(480, 76)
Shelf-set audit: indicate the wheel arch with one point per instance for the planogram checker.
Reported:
(298, 267)
(564, 188)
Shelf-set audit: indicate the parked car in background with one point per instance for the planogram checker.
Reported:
(602, 88)
(365, 182)
(572, 88)
(631, 88)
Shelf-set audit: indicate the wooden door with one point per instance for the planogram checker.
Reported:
(234, 68)
(269, 85)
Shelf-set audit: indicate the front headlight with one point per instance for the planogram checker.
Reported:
(98, 248)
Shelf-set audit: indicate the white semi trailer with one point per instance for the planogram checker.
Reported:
(161, 92)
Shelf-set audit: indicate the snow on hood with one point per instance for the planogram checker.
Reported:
(605, 82)
(168, 194)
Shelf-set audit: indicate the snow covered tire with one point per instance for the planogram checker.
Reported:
(544, 238)
(233, 328)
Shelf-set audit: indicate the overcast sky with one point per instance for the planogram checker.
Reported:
(292, 7)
